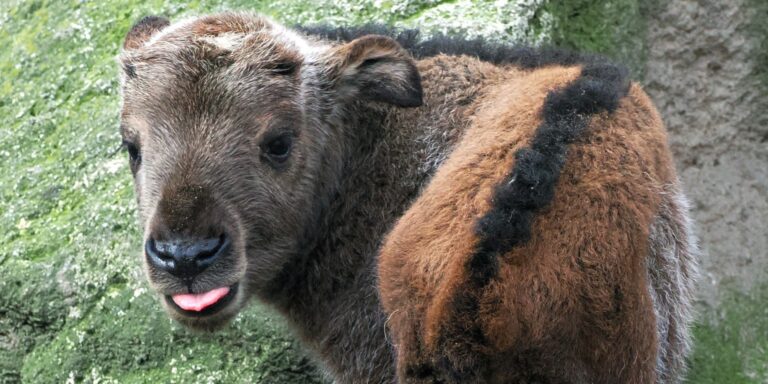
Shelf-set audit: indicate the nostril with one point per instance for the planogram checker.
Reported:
(186, 258)
(211, 249)
(157, 257)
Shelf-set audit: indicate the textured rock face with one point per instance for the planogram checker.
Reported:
(706, 71)
(701, 73)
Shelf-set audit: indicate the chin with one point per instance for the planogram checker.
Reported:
(208, 311)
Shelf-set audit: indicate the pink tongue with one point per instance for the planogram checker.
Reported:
(199, 301)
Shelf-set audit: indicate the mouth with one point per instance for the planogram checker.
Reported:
(204, 303)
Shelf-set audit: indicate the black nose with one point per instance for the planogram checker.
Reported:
(185, 258)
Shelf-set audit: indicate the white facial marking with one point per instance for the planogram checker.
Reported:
(229, 41)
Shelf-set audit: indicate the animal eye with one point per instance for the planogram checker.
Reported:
(134, 155)
(285, 68)
(278, 149)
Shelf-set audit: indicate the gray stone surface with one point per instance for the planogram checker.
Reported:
(700, 72)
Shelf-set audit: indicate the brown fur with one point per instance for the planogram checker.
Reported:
(570, 305)
(143, 30)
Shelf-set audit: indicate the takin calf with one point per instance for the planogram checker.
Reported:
(537, 230)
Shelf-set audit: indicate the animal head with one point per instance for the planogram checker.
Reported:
(234, 126)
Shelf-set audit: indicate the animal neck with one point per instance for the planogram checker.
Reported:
(329, 293)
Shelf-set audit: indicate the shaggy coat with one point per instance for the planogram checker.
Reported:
(533, 255)
(537, 230)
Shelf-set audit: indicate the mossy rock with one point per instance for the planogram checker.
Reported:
(731, 342)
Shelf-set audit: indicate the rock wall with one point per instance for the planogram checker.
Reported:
(706, 70)
(701, 71)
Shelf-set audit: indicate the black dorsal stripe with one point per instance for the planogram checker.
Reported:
(530, 185)
(411, 39)
(528, 188)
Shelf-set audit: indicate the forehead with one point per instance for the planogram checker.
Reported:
(214, 64)
(242, 37)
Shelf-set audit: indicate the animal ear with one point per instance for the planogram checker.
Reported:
(143, 31)
(376, 68)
